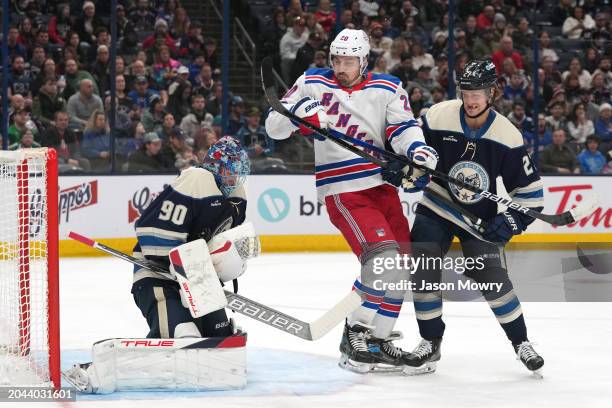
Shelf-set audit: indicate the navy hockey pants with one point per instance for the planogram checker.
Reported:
(432, 236)
(159, 301)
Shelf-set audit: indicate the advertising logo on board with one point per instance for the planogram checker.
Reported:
(140, 201)
(77, 197)
(273, 205)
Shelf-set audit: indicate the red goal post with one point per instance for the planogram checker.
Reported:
(29, 268)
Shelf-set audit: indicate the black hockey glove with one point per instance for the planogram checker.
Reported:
(394, 173)
(502, 227)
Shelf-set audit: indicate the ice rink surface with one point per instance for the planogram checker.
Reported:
(478, 366)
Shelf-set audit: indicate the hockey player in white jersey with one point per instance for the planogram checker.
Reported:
(373, 108)
(478, 145)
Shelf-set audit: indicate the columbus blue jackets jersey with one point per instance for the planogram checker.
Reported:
(479, 158)
(191, 207)
(375, 111)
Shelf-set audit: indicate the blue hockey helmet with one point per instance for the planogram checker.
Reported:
(229, 163)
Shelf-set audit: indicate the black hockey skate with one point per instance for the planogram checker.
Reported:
(356, 355)
(528, 356)
(389, 358)
(424, 357)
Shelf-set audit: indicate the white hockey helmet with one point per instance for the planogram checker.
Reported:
(351, 43)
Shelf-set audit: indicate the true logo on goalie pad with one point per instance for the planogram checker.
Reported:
(187, 290)
(147, 343)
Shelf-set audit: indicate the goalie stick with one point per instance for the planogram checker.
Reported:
(582, 210)
(257, 311)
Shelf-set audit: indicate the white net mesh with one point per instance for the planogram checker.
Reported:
(24, 308)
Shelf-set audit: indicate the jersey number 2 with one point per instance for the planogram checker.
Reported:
(405, 99)
(527, 165)
(176, 214)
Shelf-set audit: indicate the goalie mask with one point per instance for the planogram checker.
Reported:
(351, 43)
(229, 163)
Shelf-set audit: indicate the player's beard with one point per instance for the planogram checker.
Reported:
(343, 79)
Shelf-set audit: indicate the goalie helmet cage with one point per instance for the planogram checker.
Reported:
(29, 268)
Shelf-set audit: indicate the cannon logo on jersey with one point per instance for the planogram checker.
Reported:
(77, 197)
(472, 173)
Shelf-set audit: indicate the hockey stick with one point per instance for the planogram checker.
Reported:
(262, 313)
(582, 210)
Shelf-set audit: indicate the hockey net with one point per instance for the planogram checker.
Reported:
(29, 298)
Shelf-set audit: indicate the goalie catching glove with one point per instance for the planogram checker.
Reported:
(312, 112)
(410, 178)
(230, 250)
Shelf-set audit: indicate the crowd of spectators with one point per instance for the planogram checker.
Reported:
(168, 88)
(409, 39)
(169, 92)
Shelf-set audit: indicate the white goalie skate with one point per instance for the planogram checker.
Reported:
(78, 377)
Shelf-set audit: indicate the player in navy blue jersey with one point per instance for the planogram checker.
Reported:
(476, 145)
(200, 203)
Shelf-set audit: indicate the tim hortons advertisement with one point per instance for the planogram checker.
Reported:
(107, 206)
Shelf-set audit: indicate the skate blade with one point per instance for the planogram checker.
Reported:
(538, 374)
(386, 369)
(354, 366)
(427, 368)
(72, 381)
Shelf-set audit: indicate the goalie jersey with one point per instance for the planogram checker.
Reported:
(479, 158)
(191, 207)
(376, 111)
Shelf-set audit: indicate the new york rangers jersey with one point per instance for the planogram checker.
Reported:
(376, 111)
(478, 157)
(191, 207)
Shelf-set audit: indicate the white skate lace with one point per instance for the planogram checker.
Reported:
(358, 340)
(424, 348)
(525, 351)
(391, 349)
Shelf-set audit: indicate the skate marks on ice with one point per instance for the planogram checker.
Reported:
(269, 372)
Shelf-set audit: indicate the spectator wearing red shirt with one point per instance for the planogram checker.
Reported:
(161, 30)
(60, 25)
(485, 18)
(325, 16)
(506, 51)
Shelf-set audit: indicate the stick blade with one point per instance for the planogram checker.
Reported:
(329, 320)
(585, 208)
(267, 77)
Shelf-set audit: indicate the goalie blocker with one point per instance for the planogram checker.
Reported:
(133, 364)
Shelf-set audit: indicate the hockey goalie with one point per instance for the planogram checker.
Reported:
(196, 228)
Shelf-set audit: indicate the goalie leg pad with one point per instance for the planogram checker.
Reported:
(195, 364)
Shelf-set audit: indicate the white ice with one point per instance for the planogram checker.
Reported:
(478, 367)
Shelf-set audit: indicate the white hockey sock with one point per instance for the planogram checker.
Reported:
(372, 299)
(385, 318)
